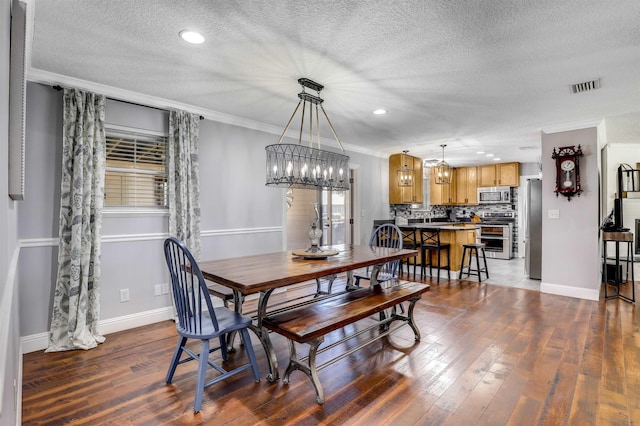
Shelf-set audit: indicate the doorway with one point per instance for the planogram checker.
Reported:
(333, 209)
(336, 213)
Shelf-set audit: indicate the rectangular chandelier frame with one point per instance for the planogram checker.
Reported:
(302, 167)
(305, 167)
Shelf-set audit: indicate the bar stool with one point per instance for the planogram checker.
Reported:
(477, 250)
(430, 243)
(410, 241)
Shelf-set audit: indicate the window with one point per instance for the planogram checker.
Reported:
(135, 170)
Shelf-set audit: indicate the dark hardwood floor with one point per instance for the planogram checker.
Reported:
(489, 355)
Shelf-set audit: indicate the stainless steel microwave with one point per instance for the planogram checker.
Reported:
(494, 195)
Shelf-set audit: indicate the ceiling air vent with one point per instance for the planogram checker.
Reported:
(585, 86)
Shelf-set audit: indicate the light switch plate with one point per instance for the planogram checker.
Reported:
(553, 214)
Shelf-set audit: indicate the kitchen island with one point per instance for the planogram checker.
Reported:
(456, 234)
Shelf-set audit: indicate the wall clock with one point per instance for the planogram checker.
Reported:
(567, 171)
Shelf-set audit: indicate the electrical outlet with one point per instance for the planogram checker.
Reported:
(124, 295)
(165, 288)
(157, 289)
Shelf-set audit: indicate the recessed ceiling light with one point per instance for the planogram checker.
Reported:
(497, 159)
(489, 155)
(480, 152)
(191, 37)
(380, 111)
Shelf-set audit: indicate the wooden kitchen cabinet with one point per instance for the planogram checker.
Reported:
(501, 174)
(487, 175)
(466, 187)
(411, 194)
(418, 195)
(441, 194)
(509, 174)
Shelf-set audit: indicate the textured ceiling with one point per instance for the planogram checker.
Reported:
(487, 74)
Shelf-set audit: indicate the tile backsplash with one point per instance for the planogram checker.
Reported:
(444, 212)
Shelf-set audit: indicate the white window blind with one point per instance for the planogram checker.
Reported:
(135, 170)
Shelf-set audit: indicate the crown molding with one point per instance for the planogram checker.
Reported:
(576, 125)
(45, 77)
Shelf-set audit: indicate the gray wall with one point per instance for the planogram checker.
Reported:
(570, 244)
(529, 169)
(371, 193)
(239, 214)
(9, 319)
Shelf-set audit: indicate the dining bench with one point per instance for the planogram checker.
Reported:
(310, 323)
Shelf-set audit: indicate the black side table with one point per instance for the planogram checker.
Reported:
(617, 238)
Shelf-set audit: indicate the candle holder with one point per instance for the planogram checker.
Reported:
(315, 233)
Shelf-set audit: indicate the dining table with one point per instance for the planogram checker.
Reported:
(264, 273)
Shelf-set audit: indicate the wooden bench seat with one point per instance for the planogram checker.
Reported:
(310, 323)
(218, 290)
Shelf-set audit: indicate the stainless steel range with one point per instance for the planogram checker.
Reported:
(496, 230)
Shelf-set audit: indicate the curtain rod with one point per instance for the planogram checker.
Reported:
(58, 88)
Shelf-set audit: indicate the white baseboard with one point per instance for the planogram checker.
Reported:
(139, 319)
(564, 290)
(34, 342)
(40, 341)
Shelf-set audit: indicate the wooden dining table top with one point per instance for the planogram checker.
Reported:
(259, 272)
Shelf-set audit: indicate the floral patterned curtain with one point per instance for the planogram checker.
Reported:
(76, 307)
(184, 179)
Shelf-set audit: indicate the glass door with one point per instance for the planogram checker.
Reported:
(335, 217)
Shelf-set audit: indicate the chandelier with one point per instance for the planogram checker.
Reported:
(306, 167)
(443, 171)
(405, 173)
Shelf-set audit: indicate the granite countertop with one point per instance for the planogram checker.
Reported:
(440, 220)
(447, 226)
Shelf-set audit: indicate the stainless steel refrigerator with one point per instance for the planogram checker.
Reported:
(533, 230)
